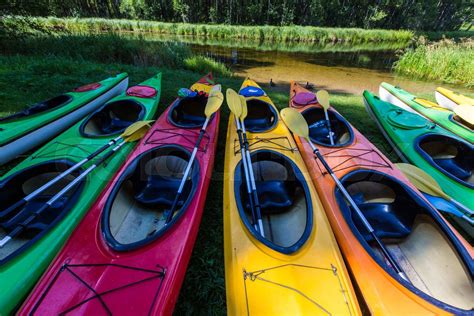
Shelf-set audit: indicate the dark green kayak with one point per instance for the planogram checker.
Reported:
(446, 157)
(25, 257)
(432, 111)
(32, 127)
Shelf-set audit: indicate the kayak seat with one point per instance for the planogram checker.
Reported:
(43, 220)
(319, 130)
(385, 220)
(40, 107)
(452, 166)
(160, 191)
(188, 112)
(112, 118)
(274, 196)
(261, 116)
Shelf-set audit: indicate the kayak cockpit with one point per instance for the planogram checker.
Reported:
(284, 198)
(425, 248)
(453, 157)
(188, 112)
(137, 209)
(112, 118)
(261, 117)
(40, 107)
(24, 182)
(319, 131)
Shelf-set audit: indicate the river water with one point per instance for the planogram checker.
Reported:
(338, 68)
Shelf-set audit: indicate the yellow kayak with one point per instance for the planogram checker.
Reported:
(450, 99)
(296, 268)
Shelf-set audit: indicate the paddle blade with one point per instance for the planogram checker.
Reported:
(323, 98)
(465, 112)
(136, 131)
(233, 101)
(214, 102)
(243, 102)
(295, 122)
(422, 180)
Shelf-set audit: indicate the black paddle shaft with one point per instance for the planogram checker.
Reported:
(252, 206)
(367, 225)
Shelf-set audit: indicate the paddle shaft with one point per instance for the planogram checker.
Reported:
(364, 220)
(329, 126)
(20, 228)
(246, 173)
(169, 216)
(48, 184)
(252, 179)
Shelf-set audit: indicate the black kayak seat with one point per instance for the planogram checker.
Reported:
(275, 196)
(109, 125)
(43, 220)
(188, 112)
(258, 123)
(319, 129)
(40, 107)
(452, 166)
(261, 116)
(159, 191)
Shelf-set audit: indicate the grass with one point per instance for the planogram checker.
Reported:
(445, 61)
(27, 79)
(32, 25)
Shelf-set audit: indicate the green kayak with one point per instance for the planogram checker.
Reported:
(447, 158)
(437, 114)
(27, 129)
(24, 258)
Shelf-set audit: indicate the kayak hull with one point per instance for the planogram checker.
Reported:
(151, 275)
(403, 141)
(382, 292)
(432, 111)
(21, 272)
(82, 104)
(449, 99)
(310, 279)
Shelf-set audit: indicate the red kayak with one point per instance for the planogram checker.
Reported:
(129, 255)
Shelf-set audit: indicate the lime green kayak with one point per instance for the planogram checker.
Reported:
(35, 125)
(447, 158)
(437, 114)
(25, 257)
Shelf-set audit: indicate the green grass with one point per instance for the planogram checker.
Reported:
(27, 79)
(444, 61)
(32, 25)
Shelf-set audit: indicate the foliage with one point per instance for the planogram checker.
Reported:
(444, 61)
(256, 33)
(202, 64)
(432, 15)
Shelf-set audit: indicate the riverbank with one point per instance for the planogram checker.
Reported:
(296, 34)
(445, 61)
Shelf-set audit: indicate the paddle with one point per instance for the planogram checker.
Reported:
(425, 183)
(242, 117)
(323, 98)
(129, 135)
(235, 106)
(214, 102)
(297, 124)
(132, 135)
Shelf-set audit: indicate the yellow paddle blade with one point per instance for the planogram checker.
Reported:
(136, 131)
(214, 102)
(422, 180)
(216, 87)
(243, 102)
(295, 122)
(233, 101)
(323, 98)
(465, 112)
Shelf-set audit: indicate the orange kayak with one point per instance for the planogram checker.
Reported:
(437, 262)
